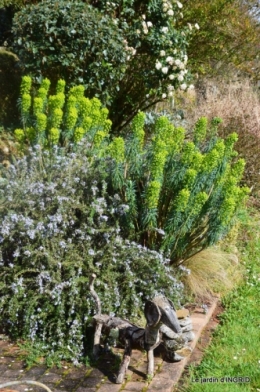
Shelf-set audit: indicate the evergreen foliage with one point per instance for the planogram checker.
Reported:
(130, 55)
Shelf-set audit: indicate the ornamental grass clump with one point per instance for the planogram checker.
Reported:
(58, 226)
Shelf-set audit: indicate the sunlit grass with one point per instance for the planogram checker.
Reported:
(235, 349)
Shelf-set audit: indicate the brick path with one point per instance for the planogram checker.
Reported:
(101, 378)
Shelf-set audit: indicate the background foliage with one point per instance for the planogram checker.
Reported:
(127, 55)
(228, 37)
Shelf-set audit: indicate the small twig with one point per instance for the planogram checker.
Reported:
(97, 336)
(39, 384)
(94, 294)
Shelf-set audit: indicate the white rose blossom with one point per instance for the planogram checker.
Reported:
(171, 77)
(179, 4)
(170, 13)
(170, 94)
(164, 96)
(165, 70)
(196, 26)
(162, 53)
(180, 78)
(169, 60)
(158, 65)
(149, 24)
(183, 86)
(165, 30)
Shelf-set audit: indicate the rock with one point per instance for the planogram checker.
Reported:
(189, 336)
(185, 321)
(176, 358)
(174, 344)
(187, 328)
(184, 351)
(182, 313)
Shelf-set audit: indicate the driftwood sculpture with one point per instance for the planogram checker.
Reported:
(159, 313)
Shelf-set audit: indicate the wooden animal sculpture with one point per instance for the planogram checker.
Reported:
(158, 311)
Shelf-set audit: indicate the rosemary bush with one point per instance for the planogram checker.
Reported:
(59, 225)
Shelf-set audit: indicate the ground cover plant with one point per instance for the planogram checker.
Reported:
(234, 350)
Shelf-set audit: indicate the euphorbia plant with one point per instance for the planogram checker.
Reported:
(61, 118)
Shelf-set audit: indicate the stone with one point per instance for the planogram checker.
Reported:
(177, 358)
(185, 321)
(182, 313)
(184, 351)
(189, 336)
(187, 328)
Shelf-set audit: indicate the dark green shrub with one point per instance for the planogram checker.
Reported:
(73, 41)
(129, 55)
(10, 79)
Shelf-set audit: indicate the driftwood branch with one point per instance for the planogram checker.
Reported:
(98, 329)
(94, 294)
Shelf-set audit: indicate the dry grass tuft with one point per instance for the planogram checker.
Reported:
(212, 272)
